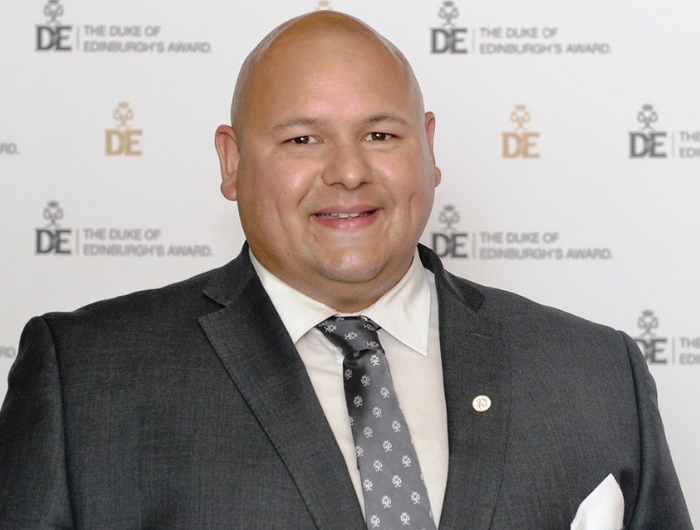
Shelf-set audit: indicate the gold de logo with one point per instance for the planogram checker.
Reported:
(123, 140)
(521, 143)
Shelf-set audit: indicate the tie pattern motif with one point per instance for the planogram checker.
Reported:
(394, 492)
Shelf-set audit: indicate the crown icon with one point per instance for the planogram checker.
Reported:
(648, 322)
(123, 114)
(647, 116)
(448, 12)
(53, 9)
(520, 116)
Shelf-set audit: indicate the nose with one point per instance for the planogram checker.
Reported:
(348, 165)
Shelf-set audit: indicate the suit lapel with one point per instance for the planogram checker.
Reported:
(262, 361)
(264, 364)
(475, 362)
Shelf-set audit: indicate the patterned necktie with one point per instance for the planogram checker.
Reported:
(392, 483)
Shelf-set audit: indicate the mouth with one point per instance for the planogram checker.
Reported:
(358, 217)
(344, 215)
(341, 215)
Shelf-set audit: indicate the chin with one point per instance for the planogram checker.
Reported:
(354, 272)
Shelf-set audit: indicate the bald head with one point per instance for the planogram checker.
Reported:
(305, 37)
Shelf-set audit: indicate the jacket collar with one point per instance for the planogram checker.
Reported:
(476, 362)
(277, 388)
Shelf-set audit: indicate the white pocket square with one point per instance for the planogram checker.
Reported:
(603, 509)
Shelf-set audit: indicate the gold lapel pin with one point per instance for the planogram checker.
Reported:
(481, 403)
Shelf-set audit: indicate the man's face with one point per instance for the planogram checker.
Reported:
(332, 167)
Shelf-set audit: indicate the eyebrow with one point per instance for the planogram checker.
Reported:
(294, 122)
(390, 118)
(304, 121)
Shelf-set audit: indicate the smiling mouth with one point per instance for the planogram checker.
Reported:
(337, 215)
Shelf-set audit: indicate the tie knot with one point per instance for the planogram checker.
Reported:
(351, 334)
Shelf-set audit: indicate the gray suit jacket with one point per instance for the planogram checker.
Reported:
(188, 407)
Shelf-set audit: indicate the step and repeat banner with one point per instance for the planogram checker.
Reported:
(568, 134)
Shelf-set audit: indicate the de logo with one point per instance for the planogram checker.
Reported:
(521, 143)
(450, 242)
(652, 347)
(53, 239)
(647, 143)
(123, 140)
(53, 36)
(448, 38)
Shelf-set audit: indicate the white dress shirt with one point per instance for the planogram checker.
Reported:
(408, 316)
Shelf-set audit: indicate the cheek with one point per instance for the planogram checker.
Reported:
(273, 194)
(286, 177)
(411, 181)
(419, 195)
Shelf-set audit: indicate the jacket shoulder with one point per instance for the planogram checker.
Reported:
(515, 309)
(171, 299)
(543, 328)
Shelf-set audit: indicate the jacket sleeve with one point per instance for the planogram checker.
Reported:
(660, 504)
(33, 480)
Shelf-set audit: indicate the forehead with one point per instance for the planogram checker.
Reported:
(308, 60)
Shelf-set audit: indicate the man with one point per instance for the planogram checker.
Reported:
(217, 403)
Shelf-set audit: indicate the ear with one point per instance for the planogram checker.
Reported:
(430, 134)
(227, 147)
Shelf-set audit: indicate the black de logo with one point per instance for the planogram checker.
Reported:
(648, 142)
(53, 35)
(450, 243)
(652, 347)
(53, 239)
(448, 38)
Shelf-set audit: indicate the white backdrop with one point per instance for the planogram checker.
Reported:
(568, 136)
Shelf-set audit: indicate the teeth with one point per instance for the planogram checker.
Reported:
(342, 215)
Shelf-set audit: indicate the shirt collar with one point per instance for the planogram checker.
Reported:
(403, 312)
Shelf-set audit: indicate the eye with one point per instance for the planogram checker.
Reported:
(303, 140)
(378, 137)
